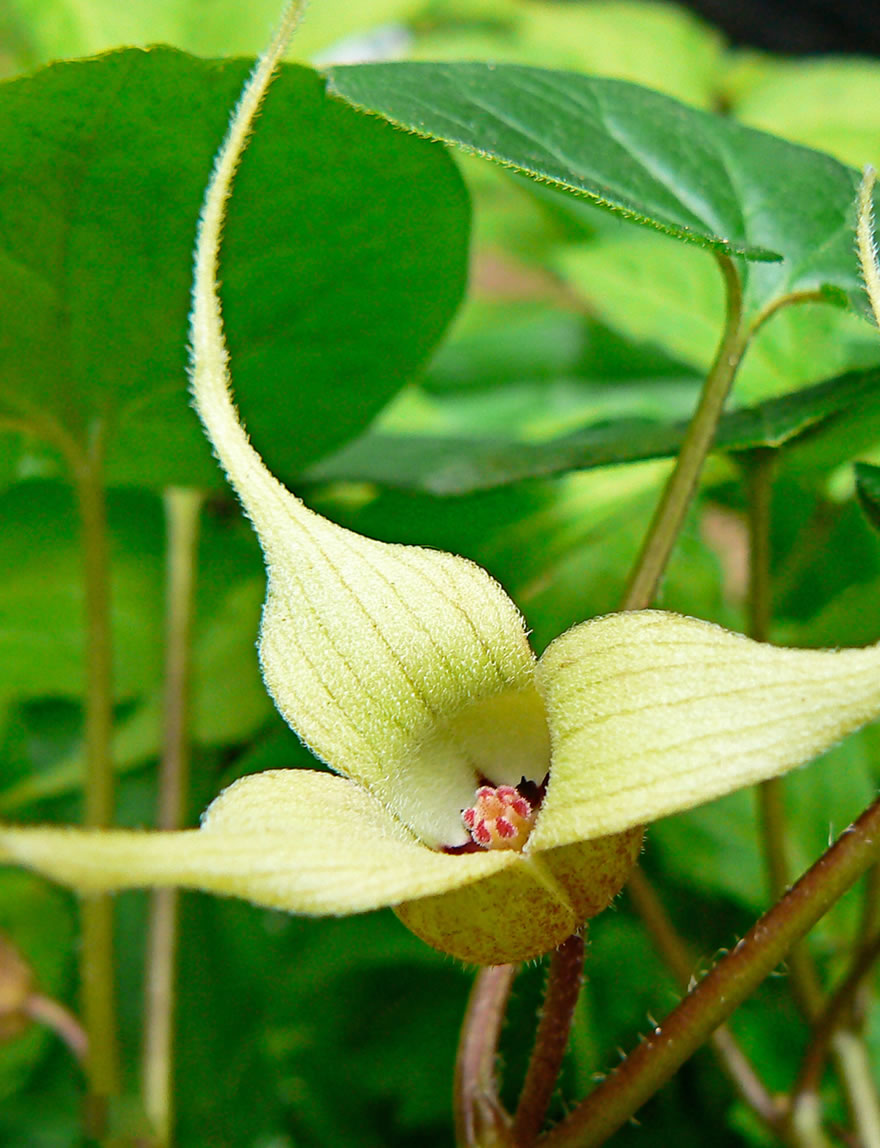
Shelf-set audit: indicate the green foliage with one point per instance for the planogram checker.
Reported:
(696, 177)
(104, 168)
(550, 413)
(458, 465)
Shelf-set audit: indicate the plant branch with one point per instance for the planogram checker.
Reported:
(51, 1013)
(833, 1016)
(679, 491)
(96, 958)
(733, 1061)
(664, 530)
(834, 1036)
(849, 1060)
(722, 990)
(182, 508)
(869, 925)
(480, 1119)
(564, 981)
(853, 1066)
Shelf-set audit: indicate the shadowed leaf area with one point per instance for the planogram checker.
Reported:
(103, 170)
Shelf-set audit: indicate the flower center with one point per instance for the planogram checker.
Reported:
(500, 818)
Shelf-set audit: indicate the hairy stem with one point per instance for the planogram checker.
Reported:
(680, 962)
(679, 491)
(652, 561)
(96, 954)
(182, 509)
(480, 1119)
(722, 990)
(803, 975)
(564, 981)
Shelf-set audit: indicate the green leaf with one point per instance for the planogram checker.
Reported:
(715, 848)
(497, 344)
(456, 465)
(41, 594)
(701, 178)
(674, 298)
(41, 630)
(661, 46)
(868, 491)
(344, 260)
(658, 45)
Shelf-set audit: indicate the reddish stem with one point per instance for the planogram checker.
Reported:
(480, 1118)
(551, 1040)
(722, 990)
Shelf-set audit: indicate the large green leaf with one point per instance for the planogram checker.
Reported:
(674, 299)
(345, 258)
(658, 45)
(457, 465)
(699, 177)
(42, 629)
(42, 638)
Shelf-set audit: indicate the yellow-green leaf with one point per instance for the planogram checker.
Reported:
(651, 713)
(298, 840)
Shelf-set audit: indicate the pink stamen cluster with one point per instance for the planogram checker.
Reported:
(500, 818)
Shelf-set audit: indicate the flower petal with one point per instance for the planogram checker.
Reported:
(529, 908)
(651, 713)
(299, 840)
(368, 649)
(371, 651)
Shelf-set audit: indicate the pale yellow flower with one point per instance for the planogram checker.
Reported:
(409, 672)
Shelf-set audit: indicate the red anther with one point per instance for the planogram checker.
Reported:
(500, 818)
(481, 833)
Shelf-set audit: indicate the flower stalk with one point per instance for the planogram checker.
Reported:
(675, 501)
(681, 963)
(722, 990)
(96, 960)
(182, 509)
(564, 981)
(759, 466)
(480, 1118)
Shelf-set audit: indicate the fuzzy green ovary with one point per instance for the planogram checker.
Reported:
(528, 909)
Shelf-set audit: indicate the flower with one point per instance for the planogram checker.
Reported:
(409, 672)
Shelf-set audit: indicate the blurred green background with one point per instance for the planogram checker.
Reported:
(296, 1032)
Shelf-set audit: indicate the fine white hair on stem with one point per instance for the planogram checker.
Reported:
(867, 242)
(209, 366)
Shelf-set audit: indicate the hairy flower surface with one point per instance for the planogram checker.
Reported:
(409, 672)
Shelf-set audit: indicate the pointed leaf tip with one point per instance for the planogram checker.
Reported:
(370, 651)
(297, 840)
(651, 713)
